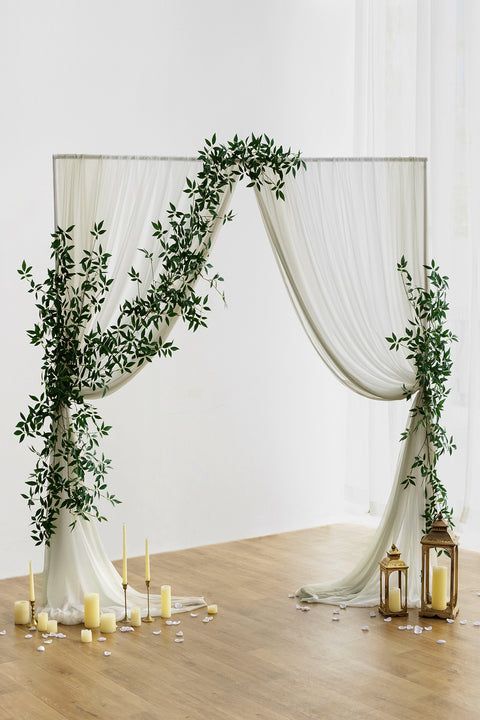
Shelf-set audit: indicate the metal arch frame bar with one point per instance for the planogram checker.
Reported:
(195, 159)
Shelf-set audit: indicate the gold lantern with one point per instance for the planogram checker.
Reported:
(393, 599)
(439, 582)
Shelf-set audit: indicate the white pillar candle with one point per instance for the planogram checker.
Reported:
(439, 587)
(394, 600)
(212, 609)
(124, 557)
(42, 622)
(86, 636)
(108, 623)
(31, 583)
(22, 612)
(166, 601)
(91, 610)
(135, 617)
(52, 626)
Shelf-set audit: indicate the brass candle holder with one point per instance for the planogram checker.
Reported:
(125, 586)
(33, 622)
(149, 618)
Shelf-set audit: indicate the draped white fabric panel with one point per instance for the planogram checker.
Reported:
(127, 194)
(337, 238)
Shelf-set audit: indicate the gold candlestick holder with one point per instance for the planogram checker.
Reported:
(33, 622)
(125, 586)
(149, 618)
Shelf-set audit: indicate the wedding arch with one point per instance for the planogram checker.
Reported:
(337, 232)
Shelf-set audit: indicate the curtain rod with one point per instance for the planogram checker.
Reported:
(195, 159)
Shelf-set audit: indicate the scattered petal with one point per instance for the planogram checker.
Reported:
(33, 629)
(179, 640)
(335, 617)
(193, 614)
(28, 636)
(450, 621)
(476, 623)
(291, 595)
(3, 632)
(427, 628)
(102, 639)
(168, 622)
(48, 642)
(387, 619)
(463, 622)
(441, 642)
(177, 605)
(40, 648)
(179, 633)
(107, 653)
(408, 627)
(402, 627)
(373, 613)
(343, 606)
(418, 629)
(365, 628)
(336, 612)
(126, 629)
(58, 635)
(45, 635)
(207, 619)
(156, 632)
(176, 622)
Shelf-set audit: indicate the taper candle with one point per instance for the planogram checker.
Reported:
(108, 623)
(135, 617)
(86, 636)
(91, 610)
(31, 583)
(166, 601)
(439, 587)
(147, 562)
(22, 612)
(42, 622)
(124, 564)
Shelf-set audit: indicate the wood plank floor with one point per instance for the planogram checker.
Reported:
(259, 658)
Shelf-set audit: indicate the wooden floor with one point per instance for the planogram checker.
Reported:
(259, 658)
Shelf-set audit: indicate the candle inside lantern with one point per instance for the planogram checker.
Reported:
(86, 636)
(212, 609)
(108, 623)
(22, 612)
(439, 587)
(124, 557)
(135, 617)
(52, 626)
(166, 601)
(31, 583)
(394, 600)
(147, 562)
(91, 610)
(42, 622)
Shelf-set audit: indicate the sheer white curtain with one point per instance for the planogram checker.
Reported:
(337, 238)
(127, 194)
(417, 79)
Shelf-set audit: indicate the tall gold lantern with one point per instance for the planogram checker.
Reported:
(393, 600)
(439, 582)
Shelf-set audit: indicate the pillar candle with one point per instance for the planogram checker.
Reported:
(166, 601)
(42, 622)
(91, 610)
(394, 600)
(31, 583)
(439, 587)
(124, 563)
(108, 623)
(147, 562)
(212, 609)
(22, 612)
(52, 626)
(135, 617)
(86, 636)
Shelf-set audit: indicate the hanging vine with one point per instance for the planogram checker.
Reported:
(81, 357)
(428, 342)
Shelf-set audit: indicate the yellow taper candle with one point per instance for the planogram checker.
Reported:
(124, 565)
(91, 610)
(166, 601)
(439, 587)
(31, 583)
(147, 562)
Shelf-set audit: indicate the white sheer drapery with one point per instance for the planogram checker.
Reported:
(126, 193)
(337, 238)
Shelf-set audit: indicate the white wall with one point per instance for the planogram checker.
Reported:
(233, 437)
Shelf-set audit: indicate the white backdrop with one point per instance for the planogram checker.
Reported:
(124, 84)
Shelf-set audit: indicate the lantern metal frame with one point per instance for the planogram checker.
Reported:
(441, 539)
(390, 565)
